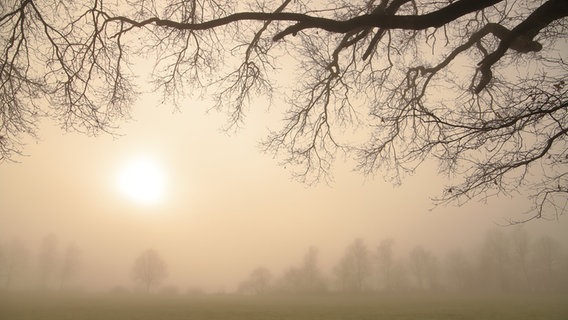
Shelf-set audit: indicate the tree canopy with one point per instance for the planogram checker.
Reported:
(477, 85)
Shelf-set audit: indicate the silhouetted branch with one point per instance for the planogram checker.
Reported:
(477, 85)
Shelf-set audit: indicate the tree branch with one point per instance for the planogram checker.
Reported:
(522, 35)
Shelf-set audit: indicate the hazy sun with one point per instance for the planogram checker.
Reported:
(143, 180)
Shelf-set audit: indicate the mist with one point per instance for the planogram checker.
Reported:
(235, 233)
(503, 260)
(229, 210)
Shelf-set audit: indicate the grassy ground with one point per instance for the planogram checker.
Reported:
(110, 307)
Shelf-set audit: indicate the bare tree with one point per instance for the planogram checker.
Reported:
(547, 259)
(459, 270)
(521, 249)
(313, 281)
(3, 261)
(13, 261)
(423, 264)
(149, 269)
(307, 278)
(258, 282)
(47, 260)
(385, 262)
(478, 85)
(496, 259)
(70, 264)
(354, 268)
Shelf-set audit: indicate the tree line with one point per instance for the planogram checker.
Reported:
(506, 260)
(54, 266)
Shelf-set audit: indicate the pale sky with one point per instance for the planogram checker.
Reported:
(226, 208)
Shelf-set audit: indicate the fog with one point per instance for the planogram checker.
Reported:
(229, 210)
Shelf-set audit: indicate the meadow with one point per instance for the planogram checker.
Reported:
(329, 307)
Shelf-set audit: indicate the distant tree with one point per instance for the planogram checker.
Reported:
(477, 85)
(47, 259)
(258, 282)
(423, 265)
(496, 259)
(521, 250)
(2, 262)
(399, 275)
(70, 264)
(149, 269)
(354, 268)
(311, 273)
(13, 260)
(3, 265)
(290, 281)
(459, 270)
(384, 257)
(547, 260)
(306, 278)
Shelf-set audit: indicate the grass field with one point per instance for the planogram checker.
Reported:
(224, 307)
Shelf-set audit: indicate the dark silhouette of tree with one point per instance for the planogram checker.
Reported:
(478, 85)
(149, 269)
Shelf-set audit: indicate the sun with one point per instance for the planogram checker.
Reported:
(143, 181)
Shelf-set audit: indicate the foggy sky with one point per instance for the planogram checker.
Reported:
(228, 208)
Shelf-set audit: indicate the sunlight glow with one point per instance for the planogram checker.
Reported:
(143, 181)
